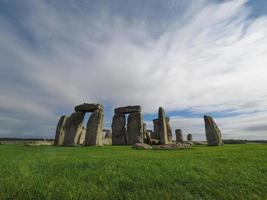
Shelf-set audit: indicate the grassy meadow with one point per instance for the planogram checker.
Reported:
(120, 172)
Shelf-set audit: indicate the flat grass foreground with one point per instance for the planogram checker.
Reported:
(120, 172)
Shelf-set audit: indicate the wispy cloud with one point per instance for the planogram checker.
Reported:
(200, 56)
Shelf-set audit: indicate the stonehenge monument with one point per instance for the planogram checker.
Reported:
(134, 131)
(179, 136)
(70, 131)
(213, 133)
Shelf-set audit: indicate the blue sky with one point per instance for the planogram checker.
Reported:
(191, 57)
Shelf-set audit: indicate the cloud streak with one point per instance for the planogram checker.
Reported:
(208, 57)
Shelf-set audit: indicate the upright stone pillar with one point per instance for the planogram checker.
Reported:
(162, 127)
(189, 137)
(60, 133)
(169, 130)
(72, 128)
(144, 131)
(155, 134)
(94, 130)
(213, 133)
(119, 136)
(81, 139)
(135, 128)
(179, 136)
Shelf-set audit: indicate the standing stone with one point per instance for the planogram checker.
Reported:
(213, 133)
(72, 128)
(189, 137)
(179, 136)
(119, 136)
(60, 133)
(108, 134)
(144, 131)
(169, 129)
(81, 139)
(162, 126)
(155, 134)
(135, 128)
(94, 130)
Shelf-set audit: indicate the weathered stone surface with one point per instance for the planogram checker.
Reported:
(119, 136)
(177, 146)
(144, 131)
(179, 136)
(81, 139)
(135, 128)
(155, 134)
(148, 138)
(94, 130)
(108, 134)
(213, 133)
(142, 146)
(189, 137)
(88, 107)
(60, 133)
(127, 109)
(72, 128)
(162, 126)
(169, 130)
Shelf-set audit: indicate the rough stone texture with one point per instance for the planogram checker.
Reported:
(155, 134)
(72, 128)
(81, 139)
(94, 130)
(135, 128)
(144, 131)
(177, 146)
(142, 146)
(119, 136)
(213, 133)
(88, 107)
(148, 138)
(179, 136)
(169, 130)
(189, 137)
(162, 126)
(127, 109)
(108, 134)
(60, 133)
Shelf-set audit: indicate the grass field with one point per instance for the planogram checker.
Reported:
(120, 172)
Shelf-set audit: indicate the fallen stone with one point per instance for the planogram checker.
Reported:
(213, 133)
(142, 146)
(72, 128)
(94, 130)
(88, 107)
(135, 128)
(60, 133)
(119, 136)
(172, 146)
(127, 109)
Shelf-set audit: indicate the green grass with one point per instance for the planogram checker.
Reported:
(120, 172)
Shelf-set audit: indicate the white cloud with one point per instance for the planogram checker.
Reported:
(214, 59)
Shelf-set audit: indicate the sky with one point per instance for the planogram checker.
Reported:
(192, 57)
